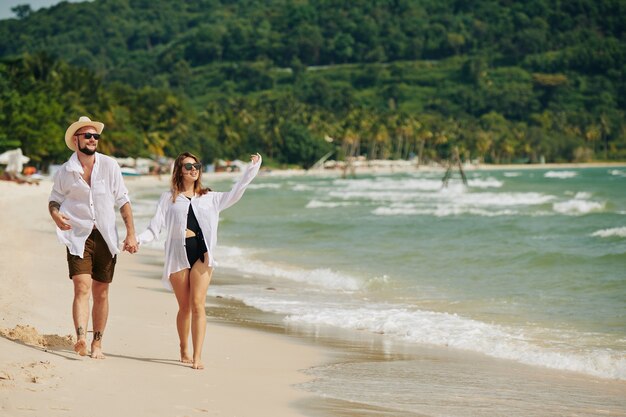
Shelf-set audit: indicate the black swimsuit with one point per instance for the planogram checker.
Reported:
(194, 245)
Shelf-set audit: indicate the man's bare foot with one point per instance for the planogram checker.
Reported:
(197, 365)
(96, 352)
(80, 347)
(184, 356)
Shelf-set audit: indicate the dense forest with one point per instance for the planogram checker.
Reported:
(497, 80)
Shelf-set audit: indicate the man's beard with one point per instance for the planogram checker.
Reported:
(86, 150)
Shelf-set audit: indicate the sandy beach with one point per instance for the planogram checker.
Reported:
(246, 370)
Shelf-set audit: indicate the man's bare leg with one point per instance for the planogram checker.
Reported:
(100, 314)
(80, 311)
(180, 284)
(199, 279)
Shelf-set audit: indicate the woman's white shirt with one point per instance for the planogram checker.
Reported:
(172, 215)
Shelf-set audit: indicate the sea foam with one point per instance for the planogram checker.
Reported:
(577, 207)
(617, 173)
(439, 329)
(560, 174)
(243, 261)
(485, 183)
(613, 232)
(256, 186)
(406, 184)
(327, 204)
(451, 330)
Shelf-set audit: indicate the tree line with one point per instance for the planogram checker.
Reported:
(500, 81)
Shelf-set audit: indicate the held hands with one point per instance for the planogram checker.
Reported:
(130, 244)
(255, 158)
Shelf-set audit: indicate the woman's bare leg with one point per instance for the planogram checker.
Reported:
(180, 283)
(199, 279)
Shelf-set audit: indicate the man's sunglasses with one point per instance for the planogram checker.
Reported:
(89, 135)
(189, 165)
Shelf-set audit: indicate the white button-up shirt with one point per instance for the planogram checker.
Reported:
(173, 216)
(89, 206)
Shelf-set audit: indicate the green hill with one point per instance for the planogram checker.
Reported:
(501, 81)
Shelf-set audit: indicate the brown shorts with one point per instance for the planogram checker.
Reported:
(96, 261)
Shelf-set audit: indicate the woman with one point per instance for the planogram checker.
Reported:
(190, 214)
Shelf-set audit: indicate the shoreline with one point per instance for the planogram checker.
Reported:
(142, 374)
(391, 166)
(374, 167)
(464, 373)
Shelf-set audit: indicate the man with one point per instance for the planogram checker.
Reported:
(82, 204)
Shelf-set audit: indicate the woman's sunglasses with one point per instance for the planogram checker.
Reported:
(189, 165)
(89, 135)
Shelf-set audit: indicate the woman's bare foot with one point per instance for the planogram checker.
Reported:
(80, 347)
(198, 365)
(184, 356)
(96, 351)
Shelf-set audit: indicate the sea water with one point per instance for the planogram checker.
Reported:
(526, 266)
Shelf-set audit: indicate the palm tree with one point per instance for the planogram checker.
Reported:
(605, 131)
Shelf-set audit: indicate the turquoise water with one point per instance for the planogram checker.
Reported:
(521, 265)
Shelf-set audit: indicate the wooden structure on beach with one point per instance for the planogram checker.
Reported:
(452, 162)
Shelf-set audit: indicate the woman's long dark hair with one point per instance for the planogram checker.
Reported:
(177, 177)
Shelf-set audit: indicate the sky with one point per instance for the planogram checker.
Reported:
(5, 5)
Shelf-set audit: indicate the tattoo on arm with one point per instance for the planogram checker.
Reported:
(80, 331)
(53, 207)
(97, 336)
(127, 215)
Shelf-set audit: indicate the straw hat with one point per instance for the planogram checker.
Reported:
(82, 122)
